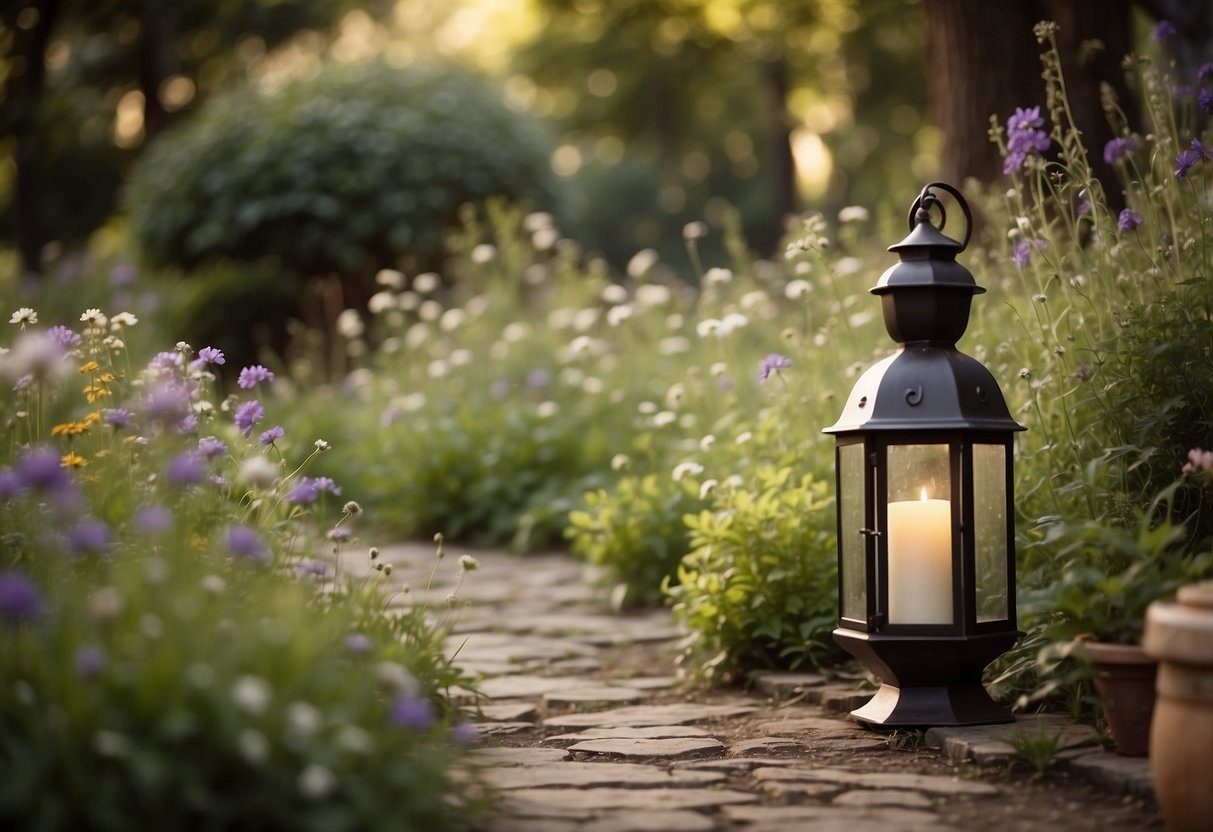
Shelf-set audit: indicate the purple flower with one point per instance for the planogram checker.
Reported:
(122, 275)
(1023, 119)
(167, 401)
(64, 337)
(1023, 251)
(1084, 203)
(166, 361)
(119, 418)
(10, 484)
(1164, 31)
(773, 363)
(358, 644)
(1204, 100)
(189, 425)
(1024, 138)
(40, 469)
(88, 537)
(153, 520)
(1120, 148)
(1128, 220)
(244, 542)
(210, 355)
(465, 733)
(413, 712)
(250, 376)
(1184, 162)
(186, 469)
(307, 566)
(272, 435)
(211, 447)
(90, 661)
(247, 415)
(1205, 71)
(20, 600)
(1181, 90)
(309, 488)
(538, 378)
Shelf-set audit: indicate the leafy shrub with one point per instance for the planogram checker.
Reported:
(177, 653)
(636, 532)
(343, 172)
(759, 587)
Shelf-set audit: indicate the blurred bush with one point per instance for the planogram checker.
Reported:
(343, 172)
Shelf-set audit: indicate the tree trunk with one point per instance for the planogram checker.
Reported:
(783, 168)
(25, 93)
(983, 60)
(157, 62)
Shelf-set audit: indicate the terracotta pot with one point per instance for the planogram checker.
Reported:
(1180, 636)
(1124, 680)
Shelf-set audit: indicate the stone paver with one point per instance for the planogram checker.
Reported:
(567, 747)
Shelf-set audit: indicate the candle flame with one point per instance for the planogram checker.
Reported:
(924, 493)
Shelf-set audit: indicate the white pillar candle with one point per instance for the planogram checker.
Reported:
(920, 561)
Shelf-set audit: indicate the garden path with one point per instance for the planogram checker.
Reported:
(585, 728)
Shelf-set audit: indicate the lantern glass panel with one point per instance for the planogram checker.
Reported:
(990, 533)
(852, 502)
(919, 534)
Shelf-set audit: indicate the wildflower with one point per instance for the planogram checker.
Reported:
(309, 488)
(119, 418)
(853, 213)
(39, 469)
(467, 563)
(254, 747)
(1198, 460)
(351, 509)
(1164, 31)
(64, 337)
(69, 429)
(307, 566)
(94, 318)
(641, 262)
(269, 437)
(37, 355)
(1023, 251)
(247, 415)
(707, 487)
(212, 447)
(1181, 91)
(24, 317)
(167, 401)
(166, 361)
(210, 355)
(1184, 162)
(121, 320)
(1128, 220)
(252, 694)
(339, 534)
(257, 472)
(1204, 100)
(682, 469)
(20, 600)
(1205, 72)
(189, 425)
(717, 275)
(773, 363)
(153, 520)
(358, 643)
(72, 460)
(483, 253)
(186, 469)
(90, 661)
(322, 446)
(465, 733)
(88, 537)
(251, 376)
(316, 782)
(1024, 138)
(244, 542)
(414, 712)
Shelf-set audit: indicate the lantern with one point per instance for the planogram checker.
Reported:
(926, 538)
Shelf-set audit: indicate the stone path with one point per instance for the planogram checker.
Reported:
(586, 728)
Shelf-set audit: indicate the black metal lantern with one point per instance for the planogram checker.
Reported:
(926, 538)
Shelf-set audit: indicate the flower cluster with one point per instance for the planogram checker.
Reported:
(1024, 138)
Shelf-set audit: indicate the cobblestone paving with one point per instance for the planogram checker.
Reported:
(586, 728)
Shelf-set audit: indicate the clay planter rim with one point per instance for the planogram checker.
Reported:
(1179, 631)
(1124, 677)
(1106, 652)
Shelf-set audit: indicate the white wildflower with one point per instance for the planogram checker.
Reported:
(121, 320)
(257, 472)
(316, 782)
(251, 694)
(614, 293)
(854, 213)
(797, 289)
(641, 262)
(483, 253)
(390, 278)
(349, 324)
(716, 276)
(664, 418)
(24, 316)
(618, 314)
(682, 469)
(426, 282)
(619, 462)
(451, 319)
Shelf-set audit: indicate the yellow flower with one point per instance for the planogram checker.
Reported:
(91, 418)
(73, 461)
(70, 429)
(94, 392)
(90, 367)
(105, 378)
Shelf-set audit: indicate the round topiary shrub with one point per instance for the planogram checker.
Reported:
(343, 172)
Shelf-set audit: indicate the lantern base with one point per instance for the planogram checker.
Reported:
(928, 681)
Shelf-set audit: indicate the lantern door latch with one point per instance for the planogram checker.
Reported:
(869, 532)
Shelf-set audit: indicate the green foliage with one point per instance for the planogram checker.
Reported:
(181, 655)
(636, 532)
(1036, 749)
(344, 172)
(759, 587)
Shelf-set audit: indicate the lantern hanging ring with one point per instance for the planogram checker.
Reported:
(920, 211)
